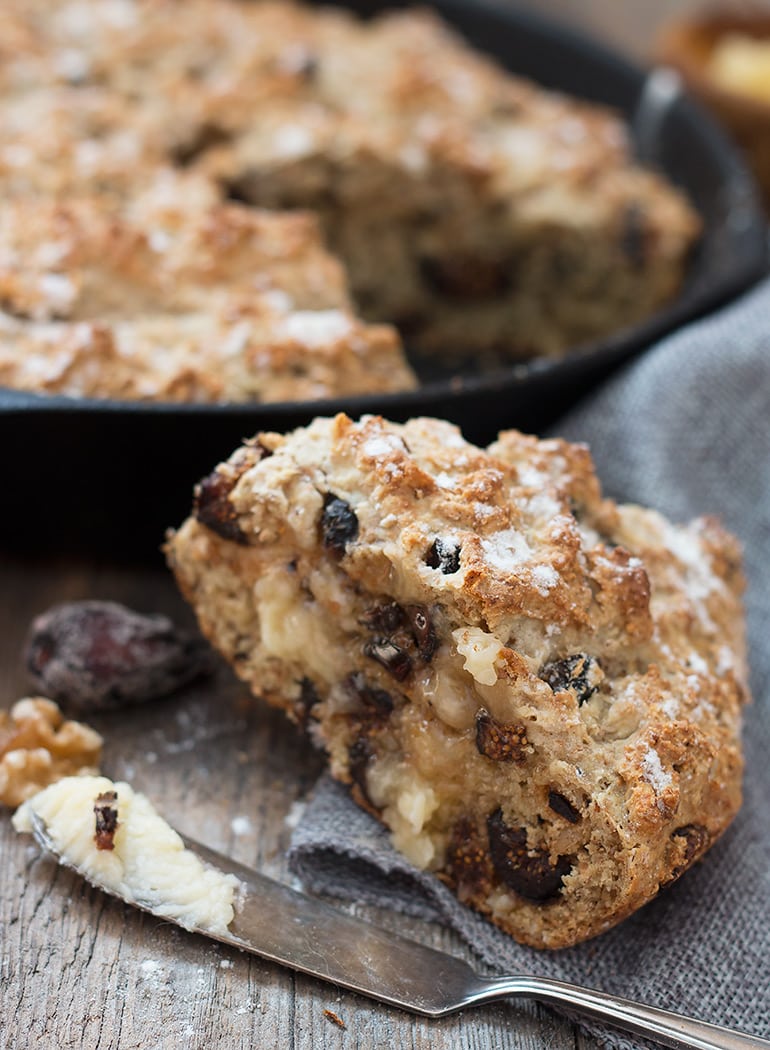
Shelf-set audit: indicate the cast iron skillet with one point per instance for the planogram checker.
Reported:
(109, 477)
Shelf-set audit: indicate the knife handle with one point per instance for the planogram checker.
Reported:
(661, 1026)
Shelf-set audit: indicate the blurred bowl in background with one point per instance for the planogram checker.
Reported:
(724, 58)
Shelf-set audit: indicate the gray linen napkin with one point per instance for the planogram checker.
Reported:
(685, 429)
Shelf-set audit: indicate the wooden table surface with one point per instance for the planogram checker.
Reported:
(78, 969)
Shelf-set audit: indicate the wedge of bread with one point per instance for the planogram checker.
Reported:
(537, 690)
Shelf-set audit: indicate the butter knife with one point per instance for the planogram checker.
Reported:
(306, 934)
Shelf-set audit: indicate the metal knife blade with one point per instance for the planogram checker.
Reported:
(306, 934)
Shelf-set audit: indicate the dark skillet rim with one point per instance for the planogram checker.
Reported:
(700, 295)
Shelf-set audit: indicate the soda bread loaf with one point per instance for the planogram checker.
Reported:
(477, 212)
(507, 219)
(179, 297)
(537, 690)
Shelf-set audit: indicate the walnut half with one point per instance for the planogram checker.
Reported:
(38, 747)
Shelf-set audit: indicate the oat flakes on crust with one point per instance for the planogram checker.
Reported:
(179, 297)
(536, 689)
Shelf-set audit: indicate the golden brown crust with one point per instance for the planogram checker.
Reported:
(536, 689)
(177, 296)
(470, 207)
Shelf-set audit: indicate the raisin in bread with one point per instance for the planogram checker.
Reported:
(177, 296)
(537, 690)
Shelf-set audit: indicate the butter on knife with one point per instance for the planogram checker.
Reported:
(124, 846)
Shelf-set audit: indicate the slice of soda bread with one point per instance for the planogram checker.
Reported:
(538, 691)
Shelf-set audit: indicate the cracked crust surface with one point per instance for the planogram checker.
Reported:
(177, 296)
(470, 207)
(537, 690)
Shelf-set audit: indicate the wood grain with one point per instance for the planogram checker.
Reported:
(80, 970)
